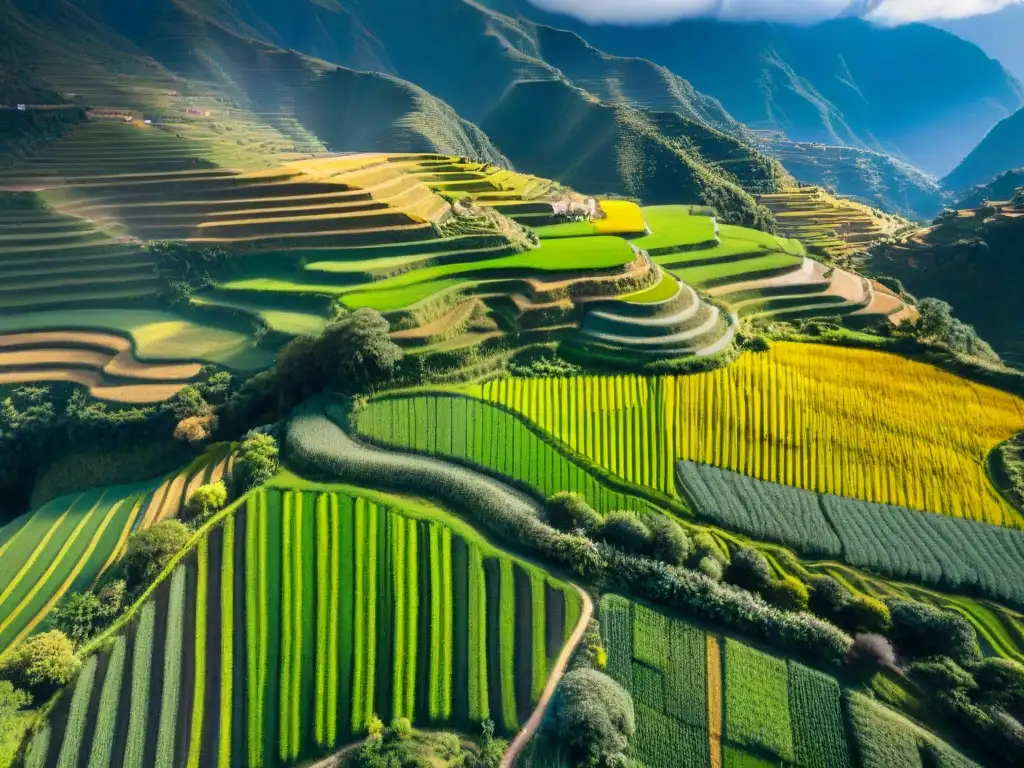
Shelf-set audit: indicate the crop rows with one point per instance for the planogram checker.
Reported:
(485, 437)
(696, 706)
(849, 422)
(299, 618)
(902, 543)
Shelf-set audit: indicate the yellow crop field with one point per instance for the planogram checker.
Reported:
(621, 218)
(851, 422)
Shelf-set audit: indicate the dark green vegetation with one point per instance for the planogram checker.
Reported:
(970, 259)
(559, 131)
(1000, 150)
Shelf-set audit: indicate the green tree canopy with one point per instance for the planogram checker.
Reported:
(151, 549)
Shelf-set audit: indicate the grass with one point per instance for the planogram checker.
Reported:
(673, 228)
(707, 275)
(663, 290)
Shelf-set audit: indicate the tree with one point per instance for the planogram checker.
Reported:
(206, 500)
(570, 512)
(1001, 684)
(43, 663)
(78, 616)
(151, 549)
(711, 567)
(364, 355)
(865, 614)
(257, 461)
(592, 715)
(750, 570)
(919, 631)
(936, 323)
(627, 531)
(869, 653)
(668, 541)
(11, 700)
(941, 673)
(827, 597)
(788, 593)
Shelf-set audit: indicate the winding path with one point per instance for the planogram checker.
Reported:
(527, 731)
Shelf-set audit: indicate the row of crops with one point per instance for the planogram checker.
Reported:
(701, 701)
(301, 616)
(848, 422)
(487, 438)
(959, 555)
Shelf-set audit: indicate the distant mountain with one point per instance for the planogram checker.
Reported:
(873, 178)
(997, 34)
(914, 91)
(1001, 150)
(1002, 188)
(562, 132)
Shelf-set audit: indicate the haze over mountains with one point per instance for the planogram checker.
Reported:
(356, 75)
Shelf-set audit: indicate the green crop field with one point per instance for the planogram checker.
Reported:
(300, 616)
(704, 701)
(674, 229)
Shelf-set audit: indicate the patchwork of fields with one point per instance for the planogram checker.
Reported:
(297, 618)
(69, 543)
(835, 420)
(702, 700)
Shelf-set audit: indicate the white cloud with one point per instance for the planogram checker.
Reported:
(883, 11)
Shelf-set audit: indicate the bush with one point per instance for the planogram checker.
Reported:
(206, 500)
(1000, 684)
(941, 673)
(151, 549)
(257, 461)
(827, 597)
(705, 545)
(570, 512)
(919, 631)
(401, 729)
(627, 531)
(750, 570)
(11, 700)
(865, 614)
(43, 663)
(711, 567)
(592, 716)
(668, 542)
(789, 594)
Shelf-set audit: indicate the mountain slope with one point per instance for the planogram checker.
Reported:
(839, 82)
(555, 130)
(1001, 188)
(997, 34)
(102, 52)
(1000, 150)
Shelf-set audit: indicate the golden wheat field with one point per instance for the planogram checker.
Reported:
(860, 423)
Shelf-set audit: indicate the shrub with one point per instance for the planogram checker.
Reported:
(668, 542)
(11, 700)
(206, 500)
(80, 616)
(592, 716)
(1000, 684)
(827, 597)
(750, 570)
(941, 673)
(257, 461)
(789, 594)
(919, 630)
(627, 531)
(195, 429)
(705, 545)
(151, 549)
(43, 663)
(570, 512)
(401, 729)
(711, 567)
(866, 614)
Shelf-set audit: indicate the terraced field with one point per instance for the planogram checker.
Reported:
(298, 616)
(835, 225)
(69, 543)
(834, 420)
(702, 700)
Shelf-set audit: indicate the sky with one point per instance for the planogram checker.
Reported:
(799, 11)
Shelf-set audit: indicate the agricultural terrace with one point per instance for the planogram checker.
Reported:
(403, 290)
(618, 217)
(300, 615)
(847, 422)
(70, 542)
(156, 335)
(704, 701)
